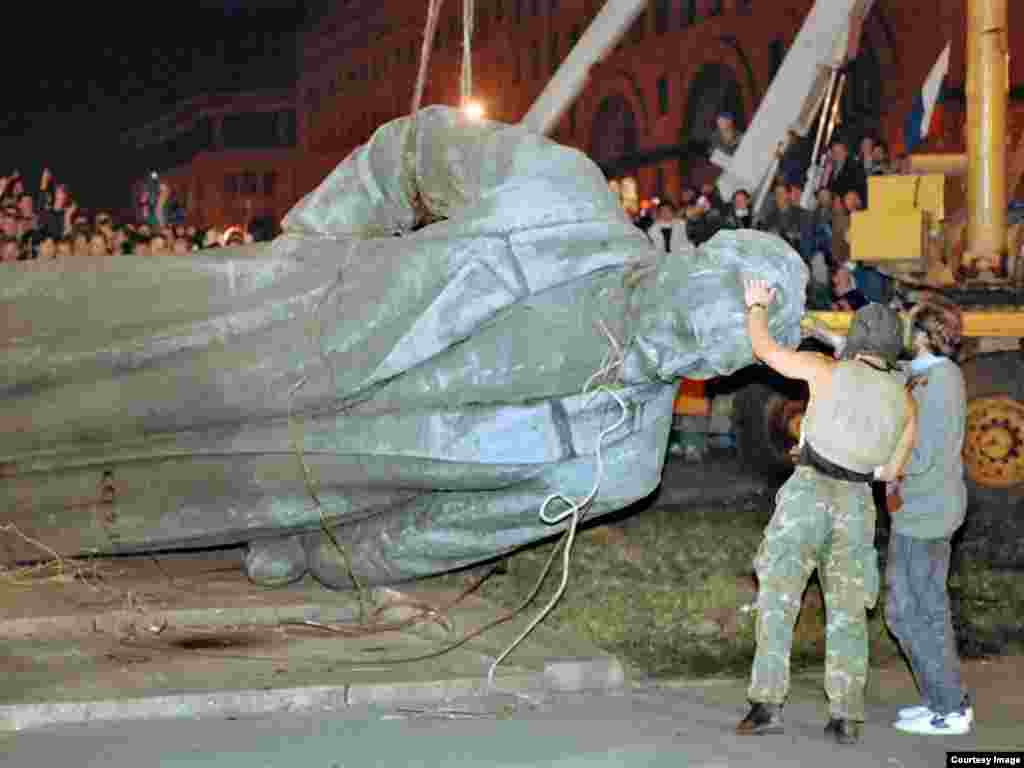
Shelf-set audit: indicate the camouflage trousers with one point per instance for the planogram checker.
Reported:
(829, 525)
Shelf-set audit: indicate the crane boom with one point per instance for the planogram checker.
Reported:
(796, 93)
(604, 33)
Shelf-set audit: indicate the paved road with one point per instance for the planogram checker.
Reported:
(641, 727)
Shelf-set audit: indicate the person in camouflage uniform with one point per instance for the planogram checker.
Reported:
(859, 427)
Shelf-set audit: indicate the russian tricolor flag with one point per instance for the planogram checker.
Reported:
(925, 117)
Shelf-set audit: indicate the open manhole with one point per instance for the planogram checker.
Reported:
(220, 641)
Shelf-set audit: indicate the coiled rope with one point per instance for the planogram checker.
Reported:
(575, 512)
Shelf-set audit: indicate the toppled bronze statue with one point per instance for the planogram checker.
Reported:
(417, 395)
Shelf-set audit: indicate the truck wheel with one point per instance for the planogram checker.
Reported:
(994, 457)
(767, 414)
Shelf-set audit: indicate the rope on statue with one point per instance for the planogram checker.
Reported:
(429, 31)
(466, 80)
(423, 215)
(574, 512)
(574, 508)
(296, 436)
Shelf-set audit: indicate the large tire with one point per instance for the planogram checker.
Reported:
(766, 414)
(994, 459)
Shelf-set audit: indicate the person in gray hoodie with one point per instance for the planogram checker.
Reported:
(930, 506)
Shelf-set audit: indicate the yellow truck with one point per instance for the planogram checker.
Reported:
(943, 227)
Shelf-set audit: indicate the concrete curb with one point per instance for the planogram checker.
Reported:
(559, 675)
(690, 682)
(595, 673)
(19, 717)
(115, 622)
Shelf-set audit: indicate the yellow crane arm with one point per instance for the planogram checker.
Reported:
(1004, 323)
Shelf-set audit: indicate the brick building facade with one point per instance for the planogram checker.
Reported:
(649, 106)
(229, 159)
(650, 103)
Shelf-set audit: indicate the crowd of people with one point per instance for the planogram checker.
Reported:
(815, 225)
(44, 221)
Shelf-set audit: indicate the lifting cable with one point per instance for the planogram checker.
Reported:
(573, 508)
(466, 79)
(573, 511)
(429, 32)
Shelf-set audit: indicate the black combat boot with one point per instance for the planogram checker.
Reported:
(762, 718)
(845, 731)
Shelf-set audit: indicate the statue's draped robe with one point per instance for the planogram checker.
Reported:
(431, 380)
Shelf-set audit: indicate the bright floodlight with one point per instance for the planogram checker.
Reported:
(474, 110)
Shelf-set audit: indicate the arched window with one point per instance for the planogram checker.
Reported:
(862, 98)
(662, 16)
(614, 134)
(639, 28)
(776, 54)
(662, 95)
(688, 17)
(713, 90)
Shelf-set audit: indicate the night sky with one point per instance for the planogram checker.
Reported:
(66, 100)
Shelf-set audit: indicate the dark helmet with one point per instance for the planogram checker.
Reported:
(875, 330)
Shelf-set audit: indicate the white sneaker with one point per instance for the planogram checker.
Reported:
(953, 724)
(910, 713)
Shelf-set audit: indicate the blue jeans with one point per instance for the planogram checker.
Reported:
(871, 283)
(917, 612)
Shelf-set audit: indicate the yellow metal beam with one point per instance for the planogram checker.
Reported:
(948, 164)
(987, 99)
(998, 323)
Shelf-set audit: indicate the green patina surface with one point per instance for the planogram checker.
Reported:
(434, 378)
